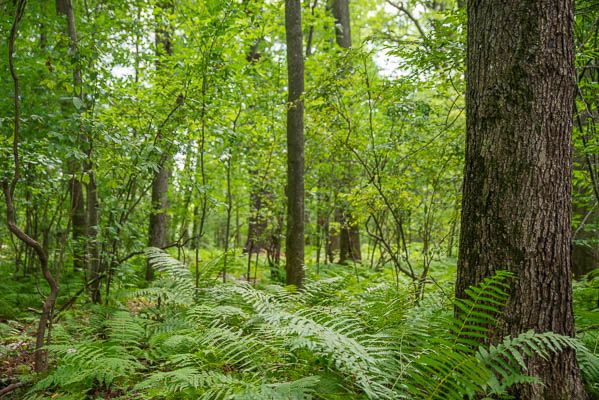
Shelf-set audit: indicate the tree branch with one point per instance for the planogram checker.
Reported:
(403, 9)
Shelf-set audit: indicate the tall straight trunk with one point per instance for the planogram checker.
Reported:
(92, 220)
(349, 235)
(84, 212)
(517, 179)
(183, 235)
(295, 145)
(257, 224)
(158, 214)
(158, 220)
(260, 191)
(78, 220)
(340, 10)
(78, 213)
(349, 241)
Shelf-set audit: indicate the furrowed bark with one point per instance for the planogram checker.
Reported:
(517, 179)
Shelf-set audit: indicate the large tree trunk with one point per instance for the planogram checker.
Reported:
(517, 179)
(295, 145)
(158, 214)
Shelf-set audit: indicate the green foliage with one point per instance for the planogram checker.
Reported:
(586, 307)
(236, 341)
(384, 133)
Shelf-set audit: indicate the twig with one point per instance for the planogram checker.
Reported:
(11, 388)
(403, 9)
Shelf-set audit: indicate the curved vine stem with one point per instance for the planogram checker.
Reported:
(44, 325)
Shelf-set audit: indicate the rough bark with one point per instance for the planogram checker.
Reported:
(295, 144)
(158, 214)
(517, 179)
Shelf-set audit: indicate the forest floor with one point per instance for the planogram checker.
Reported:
(143, 343)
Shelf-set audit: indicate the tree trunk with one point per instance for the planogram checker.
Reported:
(349, 242)
(78, 220)
(93, 249)
(340, 10)
(78, 215)
(158, 214)
(295, 144)
(158, 217)
(349, 236)
(517, 180)
(258, 224)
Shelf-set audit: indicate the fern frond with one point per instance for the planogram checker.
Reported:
(126, 330)
(458, 367)
(180, 280)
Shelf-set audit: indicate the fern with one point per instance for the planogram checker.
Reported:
(456, 366)
(87, 364)
(235, 341)
(212, 385)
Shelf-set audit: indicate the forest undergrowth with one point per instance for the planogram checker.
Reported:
(349, 334)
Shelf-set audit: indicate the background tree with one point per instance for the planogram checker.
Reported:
(158, 216)
(294, 249)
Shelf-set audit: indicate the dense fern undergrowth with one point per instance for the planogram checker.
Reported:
(351, 334)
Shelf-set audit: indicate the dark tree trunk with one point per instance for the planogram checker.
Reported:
(78, 220)
(258, 224)
(517, 179)
(295, 144)
(349, 236)
(349, 242)
(78, 215)
(340, 9)
(260, 192)
(158, 215)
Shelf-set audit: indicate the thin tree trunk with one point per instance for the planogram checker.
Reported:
(94, 254)
(78, 219)
(295, 145)
(258, 224)
(349, 236)
(517, 180)
(158, 215)
(340, 10)
(43, 328)
(78, 214)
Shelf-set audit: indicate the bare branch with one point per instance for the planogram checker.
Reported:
(403, 9)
